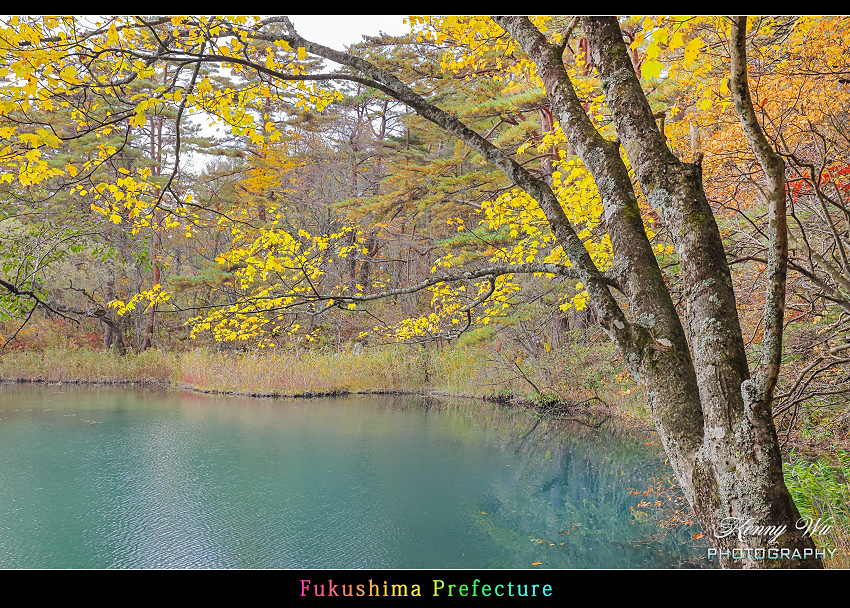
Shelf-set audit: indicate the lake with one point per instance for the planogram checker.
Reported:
(114, 478)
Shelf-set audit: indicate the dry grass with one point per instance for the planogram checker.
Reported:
(471, 370)
(310, 372)
(58, 364)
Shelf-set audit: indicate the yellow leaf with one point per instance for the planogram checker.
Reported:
(29, 138)
(676, 41)
(138, 120)
(692, 49)
(652, 51)
(651, 69)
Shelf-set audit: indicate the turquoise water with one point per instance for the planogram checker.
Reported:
(101, 478)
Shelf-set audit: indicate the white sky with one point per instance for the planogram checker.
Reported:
(337, 31)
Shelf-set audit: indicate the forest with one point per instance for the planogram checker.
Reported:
(649, 216)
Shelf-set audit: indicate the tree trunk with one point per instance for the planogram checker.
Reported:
(156, 157)
(364, 274)
(713, 419)
(560, 325)
(112, 335)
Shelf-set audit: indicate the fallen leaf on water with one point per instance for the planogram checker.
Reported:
(536, 563)
(698, 535)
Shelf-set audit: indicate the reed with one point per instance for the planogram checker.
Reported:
(470, 370)
(62, 364)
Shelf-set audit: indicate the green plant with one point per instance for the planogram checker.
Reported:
(820, 490)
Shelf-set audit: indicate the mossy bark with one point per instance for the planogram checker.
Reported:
(713, 418)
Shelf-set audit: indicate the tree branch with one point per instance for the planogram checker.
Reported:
(777, 253)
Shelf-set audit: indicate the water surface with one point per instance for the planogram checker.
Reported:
(103, 478)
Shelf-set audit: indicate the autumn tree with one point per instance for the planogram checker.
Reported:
(712, 412)
(800, 99)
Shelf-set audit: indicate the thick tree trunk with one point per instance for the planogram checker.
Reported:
(737, 472)
(713, 419)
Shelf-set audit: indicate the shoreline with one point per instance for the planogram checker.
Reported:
(552, 407)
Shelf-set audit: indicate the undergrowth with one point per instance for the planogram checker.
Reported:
(821, 492)
(567, 376)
